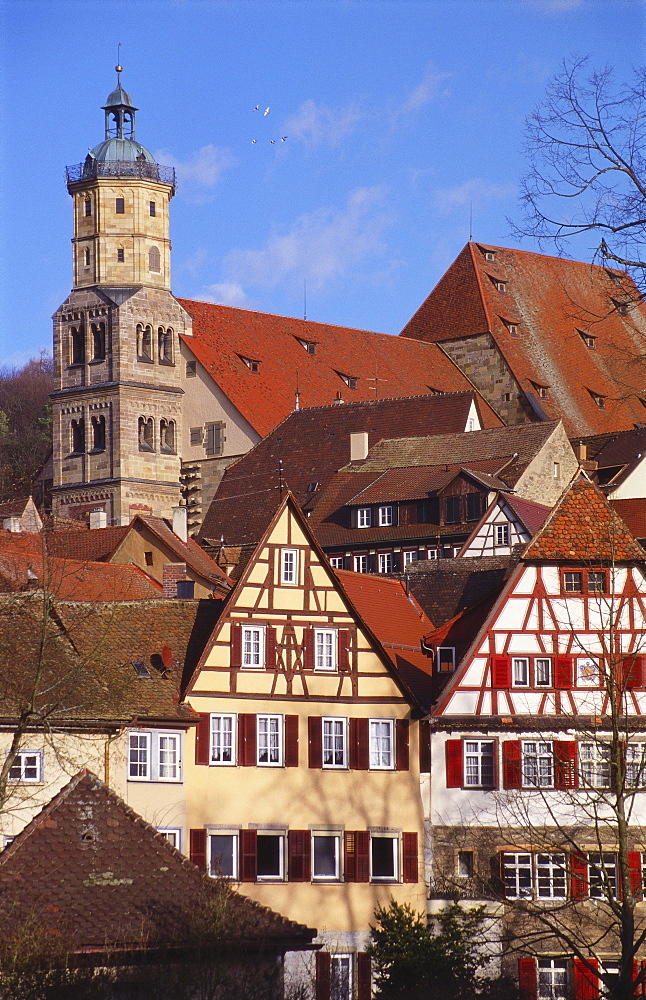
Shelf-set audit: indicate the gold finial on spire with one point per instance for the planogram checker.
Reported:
(119, 67)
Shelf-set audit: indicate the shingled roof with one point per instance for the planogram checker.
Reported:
(380, 365)
(584, 527)
(90, 871)
(633, 514)
(555, 304)
(312, 445)
(445, 588)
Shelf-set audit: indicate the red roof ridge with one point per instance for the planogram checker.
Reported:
(291, 319)
(534, 253)
(474, 260)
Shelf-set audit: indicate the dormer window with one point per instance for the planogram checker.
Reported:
(308, 345)
(500, 286)
(598, 399)
(385, 516)
(540, 390)
(621, 307)
(251, 363)
(350, 380)
(512, 328)
(364, 517)
(588, 339)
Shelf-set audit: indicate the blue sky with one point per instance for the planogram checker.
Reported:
(402, 117)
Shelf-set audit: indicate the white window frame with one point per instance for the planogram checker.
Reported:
(361, 563)
(364, 517)
(553, 979)
(548, 674)
(518, 874)
(479, 763)
(594, 764)
(386, 516)
(382, 744)
(337, 741)
(409, 556)
(341, 985)
(252, 658)
(153, 741)
(636, 764)
(386, 562)
(289, 567)
(235, 853)
(143, 766)
(280, 876)
(326, 643)
(269, 740)
(537, 763)
(502, 533)
(336, 562)
(550, 875)
(223, 738)
(335, 836)
(395, 839)
(520, 671)
(26, 760)
(173, 835)
(601, 872)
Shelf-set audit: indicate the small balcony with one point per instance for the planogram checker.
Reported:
(92, 168)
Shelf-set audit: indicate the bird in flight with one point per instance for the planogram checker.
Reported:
(266, 112)
(257, 107)
(253, 141)
(283, 138)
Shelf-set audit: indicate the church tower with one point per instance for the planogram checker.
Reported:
(118, 400)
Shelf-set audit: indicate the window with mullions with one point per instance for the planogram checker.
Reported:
(27, 766)
(479, 763)
(602, 875)
(253, 646)
(501, 534)
(386, 562)
(381, 744)
(289, 566)
(361, 563)
(335, 753)
(385, 516)
(553, 979)
(154, 756)
(364, 517)
(223, 731)
(325, 646)
(539, 875)
(594, 764)
(538, 764)
(270, 740)
(635, 765)
(520, 669)
(573, 582)
(341, 977)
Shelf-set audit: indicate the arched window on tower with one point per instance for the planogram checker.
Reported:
(144, 343)
(146, 434)
(165, 346)
(167, 436)
(87, 256)
(154, 263)
(98, 341)
(98, 433)
(88, 206)
(78, 436)
(77, 345)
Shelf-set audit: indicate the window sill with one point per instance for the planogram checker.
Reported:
(97, 361)
(145, 361)
(96, 451)
(76, 364)
(148, 449)
(165, 361)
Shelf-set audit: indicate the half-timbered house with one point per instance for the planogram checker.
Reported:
(304, 782)
(538, 744)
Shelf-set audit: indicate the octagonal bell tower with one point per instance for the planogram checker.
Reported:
(117, 406)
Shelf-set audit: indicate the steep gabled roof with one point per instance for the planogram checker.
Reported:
(532, 515)
(633, 514)
(554, 303)
(447, 587)
(312, 445)
(382, 365)
(583, 527)
(88, 869)
(85, 544)
(616, 454)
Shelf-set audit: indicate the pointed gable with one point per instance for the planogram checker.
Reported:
(584, 527)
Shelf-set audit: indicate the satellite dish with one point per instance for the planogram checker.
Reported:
(167, 657)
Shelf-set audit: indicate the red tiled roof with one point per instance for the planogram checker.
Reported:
(447, 587)
(222, 336)
(633, 513)
(532, 515)
(552, 301)
(90, 871)
(584, 527)
(312, 445)
(95, 545)
(416, 482)
(189, 552)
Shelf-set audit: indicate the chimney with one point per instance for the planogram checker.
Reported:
(581, 451)
(180, 524)
(358, 446)
(98, 519)
(173, 574)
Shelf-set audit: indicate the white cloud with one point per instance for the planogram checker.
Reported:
(201, 170)
(475, 192)
(426, 91)
(227, 293)
(320, 246)
(319, 125)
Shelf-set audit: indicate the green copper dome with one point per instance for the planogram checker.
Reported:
(124, 150)
(119, 98)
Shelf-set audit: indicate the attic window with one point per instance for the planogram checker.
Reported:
(252, 365)
(621, 307)
(588, 339)
(541, 390)
(350, 380)
(489, 255)
(312, 487)
(191, 369)
(512, 328)
(599, 400)
(500, 286)
(308, 345)
(433, 391)
(141, 670)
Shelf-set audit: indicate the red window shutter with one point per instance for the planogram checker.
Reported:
(270, 647)
(291, 741)
(359, 745)
(203, 739)
(633, 671)
(566, 774)
(527, 978)
(343, 651)
(315, 741)
(425, 747)
(248, 855)
(323, 976)
(563, 673)
(409, 850)
(364, 976)
(308, 649)
(635, 873)
(501, 671)
(512, 769)
(298, 850)
(357, 856)
(247, 740)
(401, 745)
(197, 848)
(578, 876)
(236, 645)
(454, 765)
(586, 983)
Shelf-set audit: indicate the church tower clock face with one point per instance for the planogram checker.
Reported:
(117, 407)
